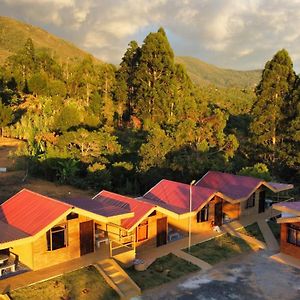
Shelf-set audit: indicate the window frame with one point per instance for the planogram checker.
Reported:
(295, 230)
(250, 202)
(203, 214)
(49, 236)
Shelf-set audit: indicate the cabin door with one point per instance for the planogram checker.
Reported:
(218, 214)
(161, 236)
(86, 237)
(262, 201)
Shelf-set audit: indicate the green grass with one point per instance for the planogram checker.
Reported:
(81, 284)
(219, 249)
(163, 270)
(275, 228)
(253, 231)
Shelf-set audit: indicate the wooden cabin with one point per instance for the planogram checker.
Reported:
(289, 228)
(40, 231)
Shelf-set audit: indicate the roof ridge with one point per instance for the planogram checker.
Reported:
(38, 194)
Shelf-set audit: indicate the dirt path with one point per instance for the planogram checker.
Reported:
(12, 181)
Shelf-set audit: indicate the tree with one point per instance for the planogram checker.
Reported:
(153, 153)
(259, 170)
(155, 79)
(6, 116)
(271, 110)
(125, 88)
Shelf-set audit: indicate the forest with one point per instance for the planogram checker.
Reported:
(123, 128)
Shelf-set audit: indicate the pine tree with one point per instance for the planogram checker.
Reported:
(125, 87)
(155, 79)
(272, 107)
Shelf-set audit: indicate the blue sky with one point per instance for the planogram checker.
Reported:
(238, 34)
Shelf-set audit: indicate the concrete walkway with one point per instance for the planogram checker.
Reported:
(149, 255)
(286, 259)
(192, 259)
(271, 242)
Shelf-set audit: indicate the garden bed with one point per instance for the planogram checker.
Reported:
(81, 284)
(219, 248)
(163, 270)
(252, 230)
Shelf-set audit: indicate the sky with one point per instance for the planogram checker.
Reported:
(236, 34)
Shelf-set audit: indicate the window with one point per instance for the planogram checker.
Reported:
(142, 232)
(293, 235)
(57, 237)
(202, 215)
(250, 201)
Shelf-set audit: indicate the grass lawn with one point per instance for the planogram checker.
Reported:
(163, 270)
(81, 284)
(275, 228)
(253, 231)
(219, 248)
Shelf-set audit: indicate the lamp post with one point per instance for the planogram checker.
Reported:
(190, 217)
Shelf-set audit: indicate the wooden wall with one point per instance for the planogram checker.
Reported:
(183, 224)
(152, 230)
(251, 210)
(232, 210)
(43, 258)
(286, 247)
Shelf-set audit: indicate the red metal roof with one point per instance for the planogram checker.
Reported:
(236, 187)
(30, 212)
(10, 233)
(175, 196)
(100, 206)
(293, 207)
(125, 204)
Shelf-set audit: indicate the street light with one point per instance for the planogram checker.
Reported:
(190, 217)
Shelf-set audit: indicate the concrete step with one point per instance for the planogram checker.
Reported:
(118, 279)
(271, 241)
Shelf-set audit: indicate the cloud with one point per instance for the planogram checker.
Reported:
(233, 34)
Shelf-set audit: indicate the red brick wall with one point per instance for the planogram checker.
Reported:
(286, 247)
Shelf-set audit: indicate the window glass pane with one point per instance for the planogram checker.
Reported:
(58, 240)
(291, 236)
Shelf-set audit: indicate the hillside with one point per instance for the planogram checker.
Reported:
(203, 74)
(13, 35)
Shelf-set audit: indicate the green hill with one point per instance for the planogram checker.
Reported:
(13, 35)
(203, 74)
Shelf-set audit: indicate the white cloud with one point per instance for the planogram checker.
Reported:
(236, 34)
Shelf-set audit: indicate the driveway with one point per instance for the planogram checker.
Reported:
(252, 276)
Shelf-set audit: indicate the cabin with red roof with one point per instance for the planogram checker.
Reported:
(243, 195)
(289, 227)
(38, 231)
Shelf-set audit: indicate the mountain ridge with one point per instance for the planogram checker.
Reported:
(14, 33)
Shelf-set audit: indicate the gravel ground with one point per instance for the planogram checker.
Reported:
(252, 276)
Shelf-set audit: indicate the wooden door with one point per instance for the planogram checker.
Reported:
(262, 201)
(86, 237)
(218, 214)
(161, 236)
